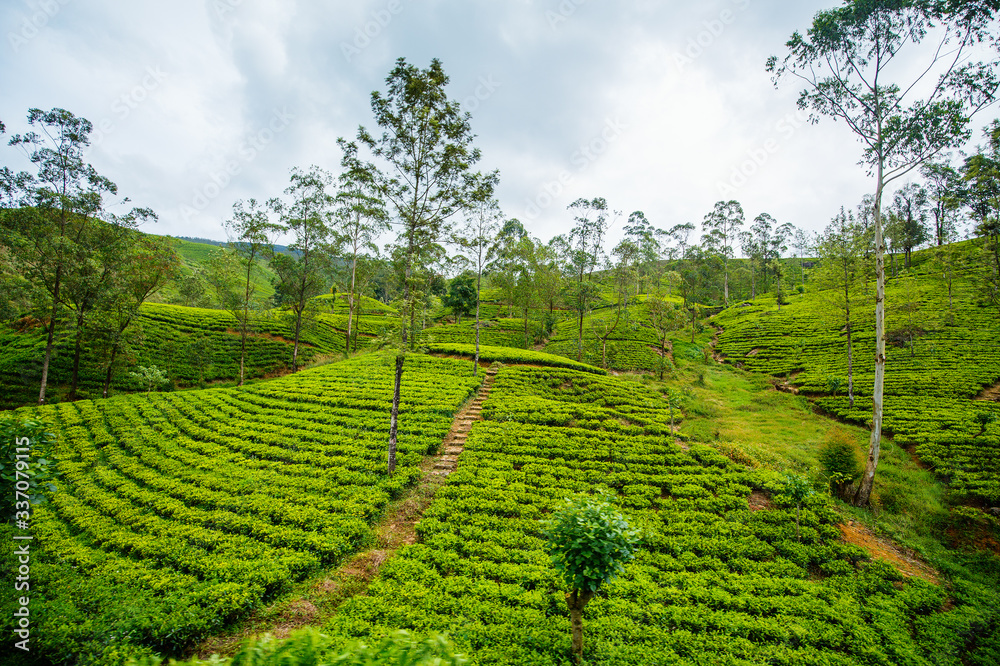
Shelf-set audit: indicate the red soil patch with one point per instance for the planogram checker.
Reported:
(759, 501)
(990, 393)
(881, 548)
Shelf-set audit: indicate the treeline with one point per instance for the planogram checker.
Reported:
(66, 260)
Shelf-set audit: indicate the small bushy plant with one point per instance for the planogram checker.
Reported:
(839, 459)
(589, 542)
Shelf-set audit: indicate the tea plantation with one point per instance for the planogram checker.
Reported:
(715, 582)
(176, 512)
(194, 346)
(931, 380)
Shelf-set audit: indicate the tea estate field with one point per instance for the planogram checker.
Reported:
(177, 515)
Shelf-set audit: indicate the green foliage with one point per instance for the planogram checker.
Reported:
(589, 542)
(35, 467)
(150, 377)
(490, 354)
(928, 404)
(839, 459)
(308, 647)
(177, 512)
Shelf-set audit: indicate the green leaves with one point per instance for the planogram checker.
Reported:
(589, 542)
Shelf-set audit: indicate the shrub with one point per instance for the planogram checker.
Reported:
(589, 542)
(839, 459)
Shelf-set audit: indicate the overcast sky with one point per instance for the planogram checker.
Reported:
(663, 107)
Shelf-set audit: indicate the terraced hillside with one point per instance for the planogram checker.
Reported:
(193, 345)
(717, 580)
(177, 512)
(632, 345)
(932, 377)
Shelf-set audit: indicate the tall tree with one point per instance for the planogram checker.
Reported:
(250, 232)
(307, 216)
(90, 277)
(360, 218)
(426, 146)
(910, 206)
(845, 62)
(646, 239)
(840, 266)
(586, 240)
(476, 238)
(146, 266)
(622, 274)
(981, 174)
(58, 209)
(943, 197)
(722, 228)
(803, 244)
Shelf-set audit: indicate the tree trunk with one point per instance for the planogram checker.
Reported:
(298, 328)
(111, 364)
(576, 600)
(357, 322)
(475, 361)
(863, 496)
(725, 279)
(394, 415)
(850, 356)
(243, 351)
(77, 351)
(49, 340)
(350, 305)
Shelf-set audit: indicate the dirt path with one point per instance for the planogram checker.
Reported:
(991, 393)
(881, 548)
(320, 598)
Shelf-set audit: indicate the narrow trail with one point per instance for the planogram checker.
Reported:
(319, 599)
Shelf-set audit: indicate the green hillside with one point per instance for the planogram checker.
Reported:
(193, 345)
(930, 384)
(178, 512)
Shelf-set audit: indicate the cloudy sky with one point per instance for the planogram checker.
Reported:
(658, 106)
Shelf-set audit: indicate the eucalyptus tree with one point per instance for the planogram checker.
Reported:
(722, 229)
(586, 240)
(623, 273)
(477, 238)
(981, 175)
(944, 195)
(681, 234)
(305, 272)
(426, 148)
(840, 250)
(646, 239)
(90, 278)
(846, 62)
(803, 244)
(250, 232)
(147, 265)
(360, 218)
(910, 204)
(57, 222)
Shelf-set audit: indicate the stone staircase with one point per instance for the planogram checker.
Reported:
(454, 442)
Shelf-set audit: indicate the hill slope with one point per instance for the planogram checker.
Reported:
(932, 377)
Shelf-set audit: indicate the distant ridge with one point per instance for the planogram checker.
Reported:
(283, 249)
